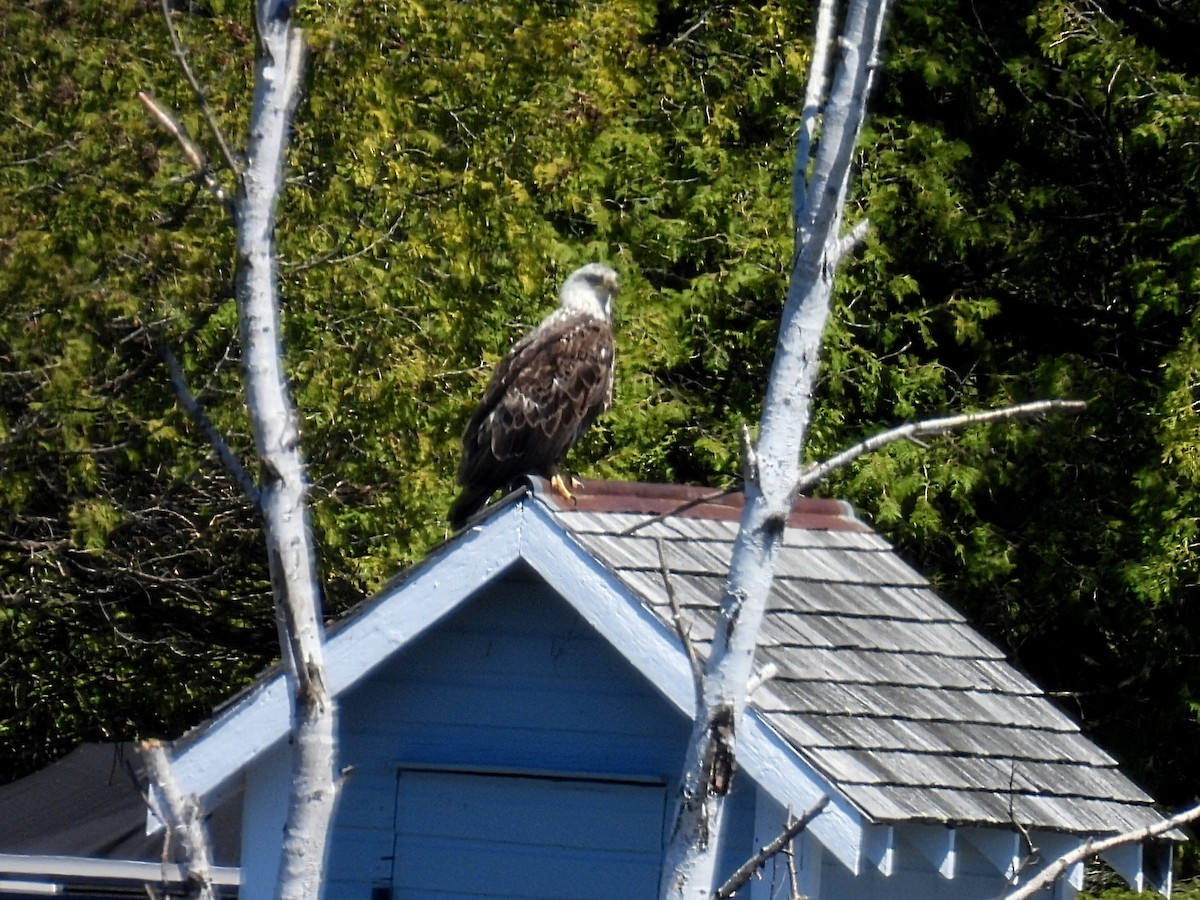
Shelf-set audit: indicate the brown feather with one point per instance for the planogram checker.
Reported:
(541, 398)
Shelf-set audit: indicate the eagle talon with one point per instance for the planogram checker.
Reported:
(562, 488)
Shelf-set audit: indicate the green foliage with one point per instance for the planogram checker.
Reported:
(1034, 181)
(1031, 172)
(450, 166)
(135, 598)
(1181, 890)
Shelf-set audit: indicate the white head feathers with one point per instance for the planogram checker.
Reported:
(590, 289)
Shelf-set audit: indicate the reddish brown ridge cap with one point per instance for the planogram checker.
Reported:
(643, 498)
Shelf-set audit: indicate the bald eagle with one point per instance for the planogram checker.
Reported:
(543, 395)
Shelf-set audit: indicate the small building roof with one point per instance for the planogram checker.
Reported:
(88, 803)
(879, 683)
(883, 697)
(80, 823)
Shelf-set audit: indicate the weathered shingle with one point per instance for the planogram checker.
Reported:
(881, 685)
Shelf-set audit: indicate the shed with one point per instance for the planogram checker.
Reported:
(513, 712)
(515, 709)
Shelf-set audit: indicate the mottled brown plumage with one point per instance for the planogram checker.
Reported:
(543, 395)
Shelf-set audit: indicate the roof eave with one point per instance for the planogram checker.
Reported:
(207, 758)
(86, 868)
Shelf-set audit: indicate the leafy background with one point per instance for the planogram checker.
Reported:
(1031, 171)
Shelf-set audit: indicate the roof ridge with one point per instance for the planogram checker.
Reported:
(691, 501)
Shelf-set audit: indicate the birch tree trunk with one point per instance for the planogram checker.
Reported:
(772, 467)
(282, 492)
(284, 489)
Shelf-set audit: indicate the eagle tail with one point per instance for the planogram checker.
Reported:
(469, 502)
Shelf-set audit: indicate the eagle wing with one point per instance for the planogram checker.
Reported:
(542, 396)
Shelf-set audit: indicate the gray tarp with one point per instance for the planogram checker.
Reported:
(89, 804)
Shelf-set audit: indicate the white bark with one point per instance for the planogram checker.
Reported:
(283, 493)
(1091, 848)
(773, 466)
(815, 474)
(182, 817)
(284, 487)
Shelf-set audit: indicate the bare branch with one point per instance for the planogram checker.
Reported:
(762, 676)
(793, 876)
(193, 408)
(852, 240)
(182, 817)
(198, 91)
(191, 150)
(910, 430)
(749, 455)
(1031, 854)
(681, 508)
(1055, 870)
(739, 878)
(677, 619)
(173, 127)
(297, 59)
(816, 473)
(814, 99)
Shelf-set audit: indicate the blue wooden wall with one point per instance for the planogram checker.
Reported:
(512, 752)
(511, 720)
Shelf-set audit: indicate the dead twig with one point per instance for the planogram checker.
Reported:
(201, 98)
(193, 408)
(1092, 847)
(681, 508)
(191, 150)
(818, 472)
(677, 619)
(739, 878)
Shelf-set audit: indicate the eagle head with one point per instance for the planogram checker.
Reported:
(590, 289)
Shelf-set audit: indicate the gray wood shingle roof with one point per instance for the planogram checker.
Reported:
(881, 686)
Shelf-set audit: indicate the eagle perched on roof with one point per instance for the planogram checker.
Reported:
(543, 395)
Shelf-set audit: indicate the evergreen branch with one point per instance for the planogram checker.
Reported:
(739, 878)
(193, 408)
(816, 473)
(1091, 847)
(198, 91)
(191, 150)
